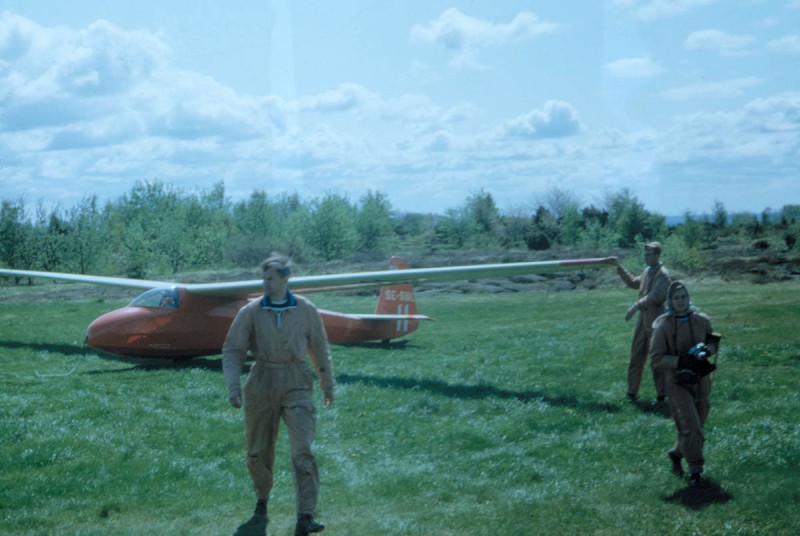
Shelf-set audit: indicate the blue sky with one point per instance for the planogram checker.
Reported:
(684, 102)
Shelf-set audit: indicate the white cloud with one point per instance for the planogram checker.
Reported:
(713, 90)
(440, 140)
(778, 113)
(789, 44)
(109, 106)
(344, 98)
(557, 119)
(103, 79)
(98, 61)
(765, 130)
(463, 35)
(633, 68)
(462, 111)
(650, 10)
(718, 41)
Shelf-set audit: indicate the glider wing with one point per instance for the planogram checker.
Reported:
(396, 277)
(93, 279)
(241, 289)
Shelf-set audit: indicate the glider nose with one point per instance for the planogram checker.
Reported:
(103, 333)
(119, 332)
(132, 331)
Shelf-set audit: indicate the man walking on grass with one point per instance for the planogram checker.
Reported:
(279, 330)
(652, 285)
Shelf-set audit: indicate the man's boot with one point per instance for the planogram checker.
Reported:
(256, 525)
(306, 525)
(696, 481)
(675, 458)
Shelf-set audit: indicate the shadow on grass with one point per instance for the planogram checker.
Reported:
(697, 498)
(139, 363)
(206, 363)
(659, 409)
(159, 364)
(66, 349)
(475, 392)
(380, 345)
(252, 527)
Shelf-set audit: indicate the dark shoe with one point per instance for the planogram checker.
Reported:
(659, 404)
(661, 398)
(675, 458)
(306, 525)
(632, 397)
(696, 481)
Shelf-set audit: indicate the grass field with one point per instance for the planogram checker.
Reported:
(506, 415)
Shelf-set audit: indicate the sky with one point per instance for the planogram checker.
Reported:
(685, 103)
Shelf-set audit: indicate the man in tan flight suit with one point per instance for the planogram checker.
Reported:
(652, 286)
(279, 330)
(682, 342)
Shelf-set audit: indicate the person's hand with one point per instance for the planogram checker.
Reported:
(235, 398)
(328, 399)
(701, 366)
(631, 311)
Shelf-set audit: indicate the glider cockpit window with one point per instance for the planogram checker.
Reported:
(158, 297)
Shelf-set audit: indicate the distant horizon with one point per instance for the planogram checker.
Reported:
(670, 219)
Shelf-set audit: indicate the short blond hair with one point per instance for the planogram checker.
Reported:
(654, 247)
(281, 263)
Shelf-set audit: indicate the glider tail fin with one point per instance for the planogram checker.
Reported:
(397, 299)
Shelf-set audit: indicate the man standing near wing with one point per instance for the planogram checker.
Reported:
(652, 286)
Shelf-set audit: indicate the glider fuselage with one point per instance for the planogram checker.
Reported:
(174, 323)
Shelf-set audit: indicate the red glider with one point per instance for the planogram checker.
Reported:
(172, 320)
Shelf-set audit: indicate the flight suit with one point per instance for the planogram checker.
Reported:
(652, 285)
(689, 404)
(279, 387)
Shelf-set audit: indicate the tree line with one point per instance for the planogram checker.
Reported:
(156, 229)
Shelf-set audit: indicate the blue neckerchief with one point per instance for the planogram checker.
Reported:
(279, 308)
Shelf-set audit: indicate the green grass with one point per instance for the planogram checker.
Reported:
(505, 415)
